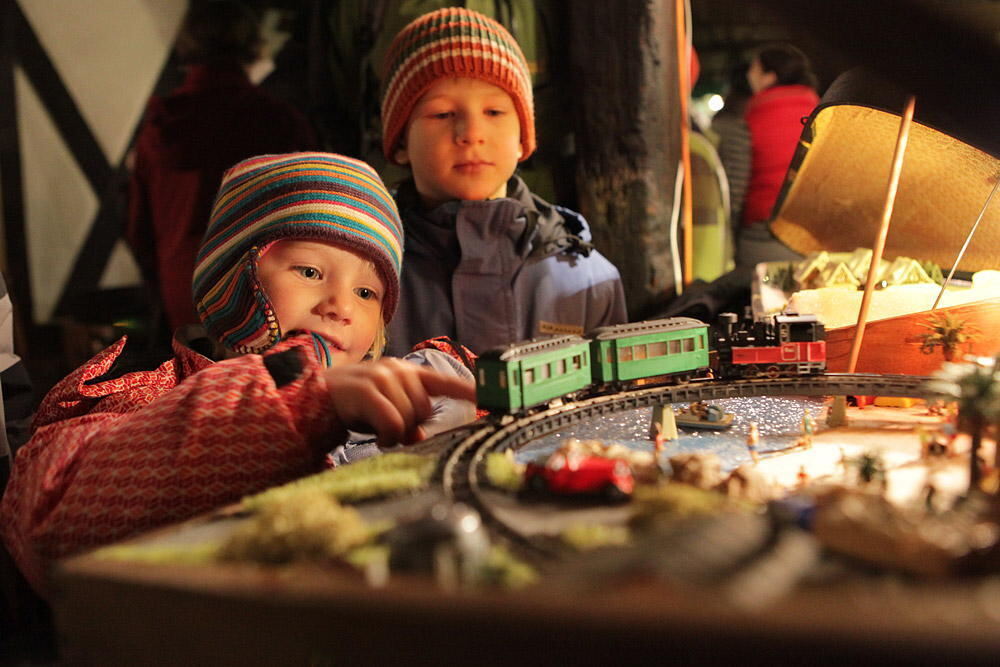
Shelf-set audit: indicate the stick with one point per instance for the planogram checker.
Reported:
(890, 200)
(965, 245)
(687, 227)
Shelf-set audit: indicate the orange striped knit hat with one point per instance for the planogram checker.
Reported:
(310, 196)
(452, 42)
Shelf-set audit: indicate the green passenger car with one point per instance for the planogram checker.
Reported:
(526, 374)
(678, 345)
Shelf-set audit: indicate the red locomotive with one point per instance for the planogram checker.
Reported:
(783, 345)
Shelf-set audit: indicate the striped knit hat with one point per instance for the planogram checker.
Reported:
(311, 196)
(452, 42)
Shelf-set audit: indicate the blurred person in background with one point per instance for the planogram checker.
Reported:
(215, 118)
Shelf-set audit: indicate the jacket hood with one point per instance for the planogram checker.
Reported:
(193, 127)
(548, 229)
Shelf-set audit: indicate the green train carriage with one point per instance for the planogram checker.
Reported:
(522, 375)
(626, 352)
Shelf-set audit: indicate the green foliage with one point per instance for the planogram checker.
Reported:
(503, 472)
(369, 478)
(587, 536)
(503, 570)
(783, 277)
(945, 331)
(306, 526)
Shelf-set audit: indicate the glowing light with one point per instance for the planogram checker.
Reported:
(715, 102)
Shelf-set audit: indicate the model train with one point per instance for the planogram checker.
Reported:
(531, 373)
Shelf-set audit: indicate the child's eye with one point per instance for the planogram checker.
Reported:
(495, 112)
(366, 293)
(309, 272)
(442, 115)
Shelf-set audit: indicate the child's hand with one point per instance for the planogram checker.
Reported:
(390, 397)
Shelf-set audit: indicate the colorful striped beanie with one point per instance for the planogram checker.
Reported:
(452, 42)
(310, 196)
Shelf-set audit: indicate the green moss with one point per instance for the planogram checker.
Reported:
(503, 570)
(370, 478)
(587, 536)
(503, 472)
(196, 554)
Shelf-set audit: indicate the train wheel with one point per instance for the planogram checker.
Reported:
(772, 372)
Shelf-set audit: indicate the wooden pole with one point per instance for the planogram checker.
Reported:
(684, 93)
(890, 200)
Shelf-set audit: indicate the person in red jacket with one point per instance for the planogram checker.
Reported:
(784, 93)
(188, 138)
(295, 282)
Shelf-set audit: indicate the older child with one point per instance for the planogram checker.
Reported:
(295, 280)
(487, 261)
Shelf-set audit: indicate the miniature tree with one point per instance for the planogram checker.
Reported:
(974, 386)
(947, 332)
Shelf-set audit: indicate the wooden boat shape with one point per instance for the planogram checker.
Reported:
(689, 420)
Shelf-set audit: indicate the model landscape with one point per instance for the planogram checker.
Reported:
(906, 484)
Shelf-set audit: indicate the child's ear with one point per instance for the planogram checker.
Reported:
(402, 155)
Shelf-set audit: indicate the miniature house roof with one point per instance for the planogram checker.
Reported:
(859, 261)
(905, 271)
(812, 265)
(838, 274)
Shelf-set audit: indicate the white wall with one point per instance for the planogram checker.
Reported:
(109, 54)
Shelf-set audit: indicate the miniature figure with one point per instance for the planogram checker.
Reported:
(870, 468)
(808, 429)
(802, 478)
(753, 440)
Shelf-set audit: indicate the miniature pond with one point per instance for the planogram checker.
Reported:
(779, 421)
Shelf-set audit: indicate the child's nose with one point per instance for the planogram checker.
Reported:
(469, 129)
(339, 305)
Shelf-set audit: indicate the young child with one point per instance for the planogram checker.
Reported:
(487, 262)
(295, 281)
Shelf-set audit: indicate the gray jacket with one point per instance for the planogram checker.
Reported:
(488, 273)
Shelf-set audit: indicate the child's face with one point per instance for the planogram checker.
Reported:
(463, 141)
(325, 289)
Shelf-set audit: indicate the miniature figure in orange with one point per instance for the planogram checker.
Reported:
(753, 439)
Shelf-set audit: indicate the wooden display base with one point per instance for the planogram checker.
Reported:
(892, 345)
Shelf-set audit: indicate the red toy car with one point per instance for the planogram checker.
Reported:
(574, 473)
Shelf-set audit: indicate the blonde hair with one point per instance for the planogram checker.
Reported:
(378, 345)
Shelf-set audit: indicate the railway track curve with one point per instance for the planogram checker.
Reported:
(461, 471)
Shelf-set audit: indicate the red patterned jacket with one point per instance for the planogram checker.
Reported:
(115, 452)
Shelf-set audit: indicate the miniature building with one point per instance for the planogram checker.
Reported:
(808, 271)
(838, 274)
(905, 271)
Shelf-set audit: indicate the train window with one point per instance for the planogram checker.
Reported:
(624, 354)
(503, 380)
(562, 367)
(675, 347)
(657, 349)
(529, 376)
(577, 362)
(608, 359)
(640, 352)
(689, 344)
(544, 372)
(482, 377)
(701, 341)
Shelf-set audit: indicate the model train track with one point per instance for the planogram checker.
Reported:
(462, 469)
